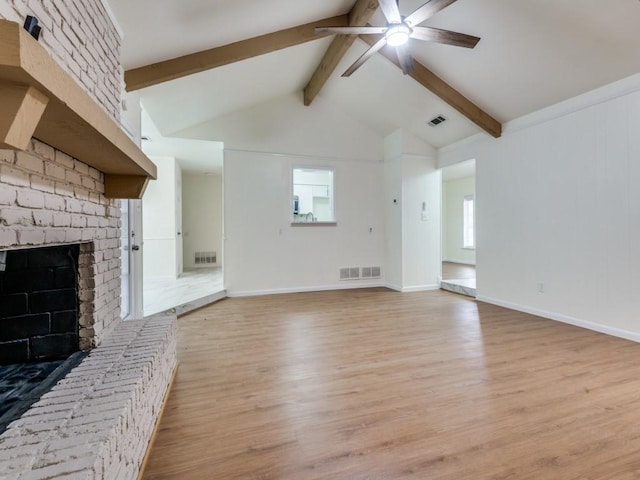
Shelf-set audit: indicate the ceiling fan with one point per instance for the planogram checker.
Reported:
(400, 29)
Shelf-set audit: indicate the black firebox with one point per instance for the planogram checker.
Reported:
(39, 304)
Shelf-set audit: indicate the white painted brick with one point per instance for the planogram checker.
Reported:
(7, 156)
(78, 221)
(13, 176)
(54, 170)
(80, 167)
(29, 162)
(58, 469)
(43, 150)
(81, 193)
(89, 183)
(73, 205)
(64, 159)
(55, 236)
(61, 219)
(7, 195)
(16, 216)
(30, 198)
(30, 237)
(64, 189)
(7, 12)
(95, 174)
(100, 187)
(42, 184)
(73, 177)
(8, 237)
(74, 235)
(53, 202)
(43, 218)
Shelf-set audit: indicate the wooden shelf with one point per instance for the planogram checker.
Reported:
(39, 99)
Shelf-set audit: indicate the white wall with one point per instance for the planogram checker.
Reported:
(201, 216)
(453, 193)
(561, 205)
(159, 221)
(413, 235)
(263, 253)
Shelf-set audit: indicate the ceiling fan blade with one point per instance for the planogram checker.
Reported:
(427, 11)
(405, 58)
(390, 10)
(444, 36)
(365, 56)
(352, 30)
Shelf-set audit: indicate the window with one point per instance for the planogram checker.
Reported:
(313, 195)
(468, 225)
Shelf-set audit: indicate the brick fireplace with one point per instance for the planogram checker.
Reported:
(97, 421)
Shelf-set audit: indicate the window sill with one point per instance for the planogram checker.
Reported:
(468, 248)
(314, 224)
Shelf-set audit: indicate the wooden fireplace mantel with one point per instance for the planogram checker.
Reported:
(39, 99)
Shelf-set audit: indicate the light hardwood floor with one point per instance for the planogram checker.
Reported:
(375, 384)
(452, 270)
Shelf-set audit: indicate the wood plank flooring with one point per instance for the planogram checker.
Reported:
(375, 384)
(452, 270)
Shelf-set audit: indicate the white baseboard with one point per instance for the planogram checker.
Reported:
(597, 327)
(416, 288)
(420, 288)
(321, 288)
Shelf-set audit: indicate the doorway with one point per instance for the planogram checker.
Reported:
(459, 228)
(182, 223)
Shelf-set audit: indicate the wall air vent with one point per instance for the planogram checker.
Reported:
(370, 272)
(204, 258)
(349, 273)
(434, 122)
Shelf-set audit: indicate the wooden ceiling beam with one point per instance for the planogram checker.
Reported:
(446, 92)
(172, 69)
(359, 15)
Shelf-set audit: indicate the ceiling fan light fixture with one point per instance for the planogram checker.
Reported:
(398, 34)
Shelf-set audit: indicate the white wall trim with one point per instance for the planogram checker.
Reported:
(597, 327)
(392, 286)
(416, 288)
(112, 17)
(305, 156)
(589, 99)
(420, 288)
(322, 288)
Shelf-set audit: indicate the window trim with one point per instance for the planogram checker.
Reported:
(332, 197)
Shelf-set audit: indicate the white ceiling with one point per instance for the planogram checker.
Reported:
(533, 53)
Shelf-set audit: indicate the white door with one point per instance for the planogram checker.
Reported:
(125, 261)
(178, 235)
(131, 259)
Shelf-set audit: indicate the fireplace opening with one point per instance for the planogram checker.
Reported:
(39, 324)
(39, 304)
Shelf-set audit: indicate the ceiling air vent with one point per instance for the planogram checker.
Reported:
(437, 121)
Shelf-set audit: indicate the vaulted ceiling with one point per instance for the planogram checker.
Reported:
(532, 54)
